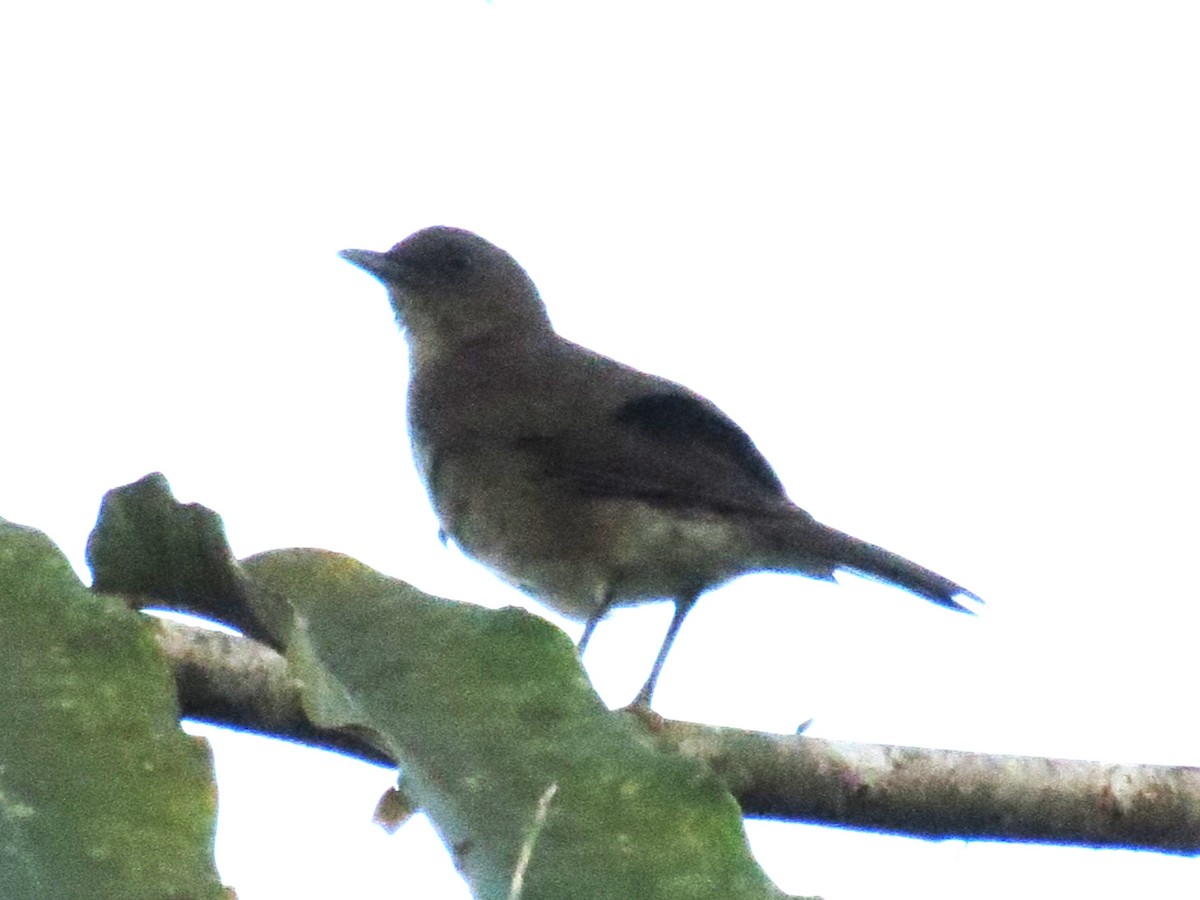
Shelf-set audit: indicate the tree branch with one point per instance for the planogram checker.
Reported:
(237, 682)
(948, 793)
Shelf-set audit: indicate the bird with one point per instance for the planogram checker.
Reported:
(585, 482)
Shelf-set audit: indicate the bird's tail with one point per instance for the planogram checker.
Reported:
(818, 551)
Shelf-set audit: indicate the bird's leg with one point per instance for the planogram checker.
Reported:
(683, 605)
(605, 598)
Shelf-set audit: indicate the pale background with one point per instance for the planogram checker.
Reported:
(939, 259)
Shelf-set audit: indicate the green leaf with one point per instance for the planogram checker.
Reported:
(101, 794)
(149, 547)
(539, 791)
(537, 788)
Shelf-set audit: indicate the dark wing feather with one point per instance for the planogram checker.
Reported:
(689, 422)
(670, 448)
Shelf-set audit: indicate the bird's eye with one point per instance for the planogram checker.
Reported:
(456, 263)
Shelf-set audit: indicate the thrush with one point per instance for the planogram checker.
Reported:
(583, 481)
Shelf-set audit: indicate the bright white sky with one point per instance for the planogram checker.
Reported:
(939, 259)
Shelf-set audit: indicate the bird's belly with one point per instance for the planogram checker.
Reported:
(626, 549)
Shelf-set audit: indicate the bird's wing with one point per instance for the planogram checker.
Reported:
(667, 446)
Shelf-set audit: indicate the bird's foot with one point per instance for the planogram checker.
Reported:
(641, 710)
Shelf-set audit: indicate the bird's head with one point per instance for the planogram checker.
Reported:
(448, 284)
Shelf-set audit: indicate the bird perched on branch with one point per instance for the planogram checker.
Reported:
(583, 481)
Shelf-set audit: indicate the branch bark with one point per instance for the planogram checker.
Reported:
(233, 681)
(237, 682)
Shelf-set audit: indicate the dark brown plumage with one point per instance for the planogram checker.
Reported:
(586, 482)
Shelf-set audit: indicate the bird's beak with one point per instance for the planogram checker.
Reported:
(381, 265)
